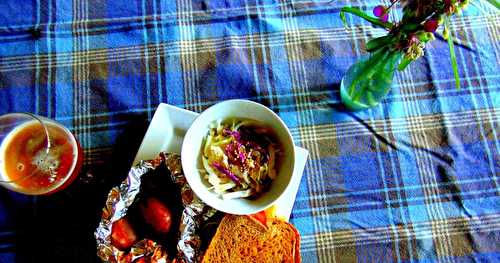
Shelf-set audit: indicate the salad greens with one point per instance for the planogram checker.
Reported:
(239, 158)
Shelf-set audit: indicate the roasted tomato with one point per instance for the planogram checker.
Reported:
(157, 215)
(260, 217)
(122, 234)
(143, 260)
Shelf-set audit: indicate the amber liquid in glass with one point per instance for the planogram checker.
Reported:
(28, 165)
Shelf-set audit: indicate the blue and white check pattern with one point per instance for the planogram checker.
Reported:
(412, 180)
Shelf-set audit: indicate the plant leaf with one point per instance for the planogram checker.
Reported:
(358, 12)
(410, 27)
(453, 57)
(405, 61)
(494, 3)
(342, 17)
(425, 36)
(368, 67)
(378, 42)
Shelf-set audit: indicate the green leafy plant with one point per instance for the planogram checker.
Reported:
(494, 3)
(421, 19)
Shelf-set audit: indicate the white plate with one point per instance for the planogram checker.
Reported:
(166, 133)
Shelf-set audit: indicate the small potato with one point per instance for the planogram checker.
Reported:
(122, 234)
(157, 215)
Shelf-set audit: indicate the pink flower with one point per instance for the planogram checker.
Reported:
(379, 11)
(413, 39)
(384, 18)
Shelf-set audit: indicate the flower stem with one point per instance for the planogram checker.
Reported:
(453, 57)
(365, 68)
(370, 67)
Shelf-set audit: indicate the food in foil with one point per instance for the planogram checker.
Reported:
(153, 216)
(123, 235)
(157, 215)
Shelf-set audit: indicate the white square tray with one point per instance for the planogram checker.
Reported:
(166, 133)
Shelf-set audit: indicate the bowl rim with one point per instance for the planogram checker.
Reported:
(287, 134)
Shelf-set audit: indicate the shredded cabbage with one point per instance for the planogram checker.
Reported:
(239, 158)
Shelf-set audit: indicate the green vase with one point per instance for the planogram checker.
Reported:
(369, 80)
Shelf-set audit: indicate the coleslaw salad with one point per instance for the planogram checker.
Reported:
(239, 158)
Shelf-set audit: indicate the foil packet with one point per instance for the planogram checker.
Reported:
(196, 221)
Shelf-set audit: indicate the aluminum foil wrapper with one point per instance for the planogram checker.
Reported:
(195, 215)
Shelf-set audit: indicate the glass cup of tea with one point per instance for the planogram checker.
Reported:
(37, 155)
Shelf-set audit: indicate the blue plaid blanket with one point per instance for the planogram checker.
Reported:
(414, 179)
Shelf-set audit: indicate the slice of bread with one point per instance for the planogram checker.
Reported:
(241, 239)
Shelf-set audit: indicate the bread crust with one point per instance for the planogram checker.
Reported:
(241, 239)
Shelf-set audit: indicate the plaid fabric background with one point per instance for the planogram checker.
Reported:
(412, 180)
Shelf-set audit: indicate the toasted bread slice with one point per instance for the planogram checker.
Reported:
(241, 239)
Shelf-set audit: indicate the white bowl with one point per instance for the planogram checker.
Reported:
(191, 155)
